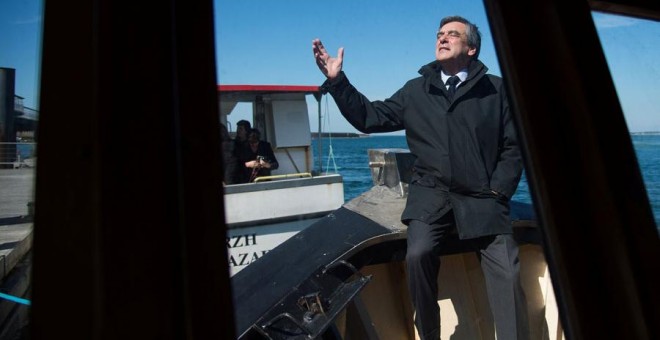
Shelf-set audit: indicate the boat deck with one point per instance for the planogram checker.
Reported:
(366, 234)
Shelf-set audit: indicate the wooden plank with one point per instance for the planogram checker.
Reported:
(541, 304)
(389, 304)
(462, 297)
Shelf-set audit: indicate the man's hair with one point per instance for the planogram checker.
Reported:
(244, 123)
(472, 32)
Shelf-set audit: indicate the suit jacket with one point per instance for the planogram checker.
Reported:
(466, 147)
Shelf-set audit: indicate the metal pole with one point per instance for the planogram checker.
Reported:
(7, 129)
(319, 137)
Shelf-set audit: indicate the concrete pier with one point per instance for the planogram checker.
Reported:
(16, 192)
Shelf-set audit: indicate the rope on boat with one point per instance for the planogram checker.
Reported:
(331, 155)
(15, 299)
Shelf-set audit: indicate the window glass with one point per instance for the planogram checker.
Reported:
(385, 45)
(20, 45)
(632, 50)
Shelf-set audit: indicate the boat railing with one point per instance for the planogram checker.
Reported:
(282, 183)
(284, 176)
(17, 155)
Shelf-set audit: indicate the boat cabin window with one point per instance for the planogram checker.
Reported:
(242, 111)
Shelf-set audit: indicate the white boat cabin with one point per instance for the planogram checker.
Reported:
(262, 214)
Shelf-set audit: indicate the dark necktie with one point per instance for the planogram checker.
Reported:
(452, 81)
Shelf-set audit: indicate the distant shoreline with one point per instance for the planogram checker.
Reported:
(315, 135)
(646, 133)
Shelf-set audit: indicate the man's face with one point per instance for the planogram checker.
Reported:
(451, 44)
(241, 131)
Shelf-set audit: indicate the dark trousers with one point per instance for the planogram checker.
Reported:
(498, 255)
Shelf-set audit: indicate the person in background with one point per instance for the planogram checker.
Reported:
(468, 164)
(240, 148)
(228, 156)
(258, 157)
(242, 129)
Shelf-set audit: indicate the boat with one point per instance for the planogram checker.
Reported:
(349, 277)
(262, 214)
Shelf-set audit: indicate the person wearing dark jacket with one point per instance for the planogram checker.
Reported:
(257, 157)
(228, 156)
(468, 164)
(243, 127)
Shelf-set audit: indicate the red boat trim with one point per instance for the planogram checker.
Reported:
(268, 88)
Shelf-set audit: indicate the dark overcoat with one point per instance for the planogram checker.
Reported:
(245, 154)
(465, 147)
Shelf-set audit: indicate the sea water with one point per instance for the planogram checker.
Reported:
(351, 160)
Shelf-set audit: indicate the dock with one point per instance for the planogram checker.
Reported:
(16, 197)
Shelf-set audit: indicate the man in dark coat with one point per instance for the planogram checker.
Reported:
(257, 157)
(458, 125)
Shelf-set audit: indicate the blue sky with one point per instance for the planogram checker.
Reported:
(269, 42)
(20, 45)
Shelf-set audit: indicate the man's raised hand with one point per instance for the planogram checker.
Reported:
(328, 65)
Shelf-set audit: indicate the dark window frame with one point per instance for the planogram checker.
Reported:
(600, 237)
(137, 67)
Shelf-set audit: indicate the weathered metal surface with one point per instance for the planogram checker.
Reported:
(288, 271)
